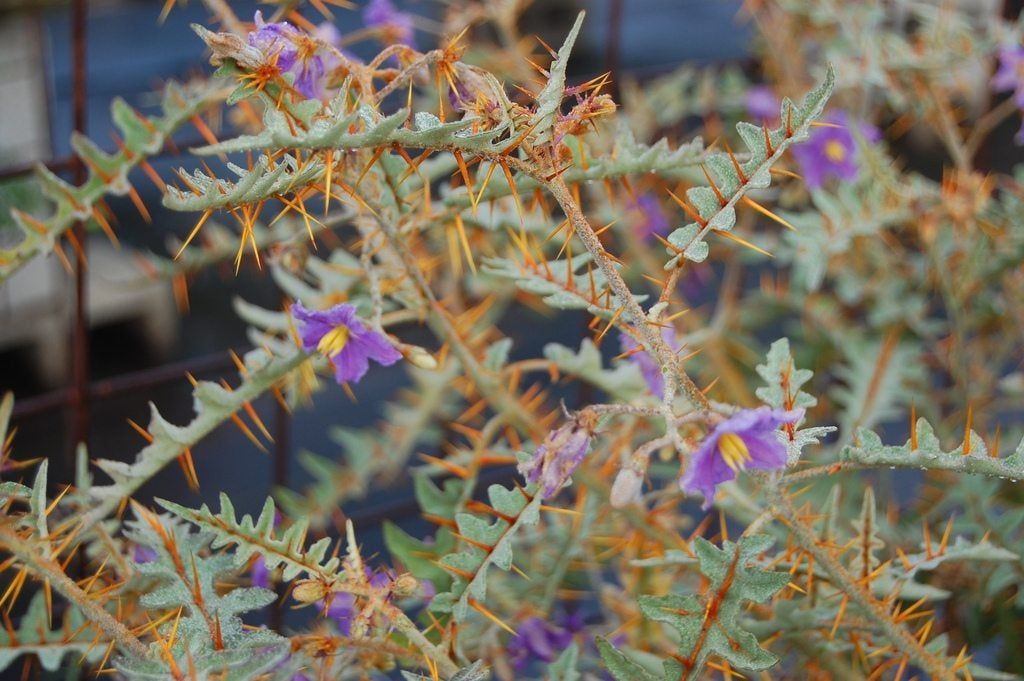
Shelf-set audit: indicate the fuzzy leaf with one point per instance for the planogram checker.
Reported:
(108, 174)
(717, 206)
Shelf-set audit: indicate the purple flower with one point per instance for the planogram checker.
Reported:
(143, 554)
(260, 574)
(293, 52)
(538, 640)
(341, 609)
(649, 368)
(396, 26)
(652, 218)
(1010, 77)
(762, 104)
(747, 439)
(832, 151)
(338, 334)
(560, 455)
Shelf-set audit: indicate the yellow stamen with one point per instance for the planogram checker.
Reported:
(835, 151)
(734, 451)
(334, 341)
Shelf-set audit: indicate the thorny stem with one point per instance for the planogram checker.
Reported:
(848, 584)
(652, 338)
(485, 382)
(48, 571)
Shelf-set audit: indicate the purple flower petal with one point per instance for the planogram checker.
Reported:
(360, 344)
(143, 554)
(398, 25)
(832, 151)
(649, 368)
(561, 453)
(652, 218)
(762, 104)
(755, 428)
(260, 574)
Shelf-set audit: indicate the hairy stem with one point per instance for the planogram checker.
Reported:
(848, 584)
(47, 570)
(657, 346)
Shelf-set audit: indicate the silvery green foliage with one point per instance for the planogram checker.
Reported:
(50, 642)
(258, 537)
(186, 574)
(213, 404)
(570, 284)
(732, 178)
(514, 509)
(623, 382)
(422, 558)
(930, 455)
(710, 623)
(142, 136)
(888, 273)
(475, 672)
(783, 390)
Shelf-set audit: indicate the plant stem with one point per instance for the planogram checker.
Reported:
(46, 570)
(848, 584)
(657, 346)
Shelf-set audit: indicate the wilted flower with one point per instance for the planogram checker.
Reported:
(538, 640)
(563, 450)
(649, 368)
(651, 216)
(1010, 77)
(396, 26)
(340, 335)
(294, 52)
(832, 151)
(762, 104)
(747, 439)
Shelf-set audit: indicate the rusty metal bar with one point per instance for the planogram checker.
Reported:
(613, 46)
(123, 383)
(80, 342)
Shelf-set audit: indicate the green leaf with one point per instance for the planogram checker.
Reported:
(717, 209)
(258, 537)
(620, 666)
(34, 636)
(709, 623)
(214, 404)
(108, 174)
(514, 509)
(623, 383)
(550, 98)
(928, 454)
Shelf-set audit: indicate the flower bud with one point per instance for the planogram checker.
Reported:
(309, 591)
(419, 357)
(405, 585)
(359, 628)
(626, 488)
